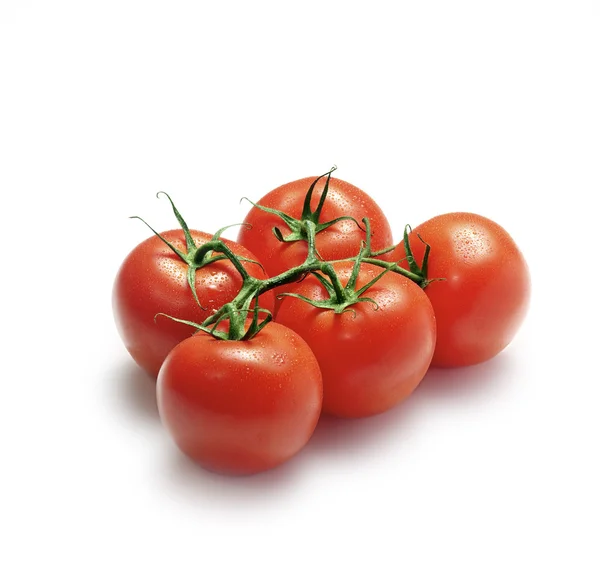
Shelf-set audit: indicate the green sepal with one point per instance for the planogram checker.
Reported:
(183, 321)
(200, 256)
(189, 241)
(341, 298)
(415, 269)
(256, 326)
(298, 227)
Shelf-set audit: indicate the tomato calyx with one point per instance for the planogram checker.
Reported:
(341, 298)
(415, 272)
(231, 324)
(412, 263)
(299, 227)
(194, 257)
(236, 328)
(410, 258)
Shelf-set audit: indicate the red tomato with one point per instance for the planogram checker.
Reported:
(241, 407)
(484, 298)
(153, 279)
(340, 240)
(371, 358)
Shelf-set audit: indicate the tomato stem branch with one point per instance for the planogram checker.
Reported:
(340, 297)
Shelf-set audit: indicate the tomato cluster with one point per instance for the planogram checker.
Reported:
(313, 310)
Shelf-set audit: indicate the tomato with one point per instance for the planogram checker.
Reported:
(371, 357)
(340, 240)
(241, 407)
(153, 279)
(483, 300)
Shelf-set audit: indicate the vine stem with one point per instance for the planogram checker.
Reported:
(306, 228)
(395, 268)
(252, 287)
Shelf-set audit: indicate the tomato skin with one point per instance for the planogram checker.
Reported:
(483, 300)
(241, 407)
(153, 279)
(373, 359)
(341, 240)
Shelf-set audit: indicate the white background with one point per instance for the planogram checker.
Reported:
(489, 472)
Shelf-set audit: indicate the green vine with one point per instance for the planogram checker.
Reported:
(230, 322)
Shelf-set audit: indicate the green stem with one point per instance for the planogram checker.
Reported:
(338, 289)
(220, 246)
(395, 268)
(236, 311)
